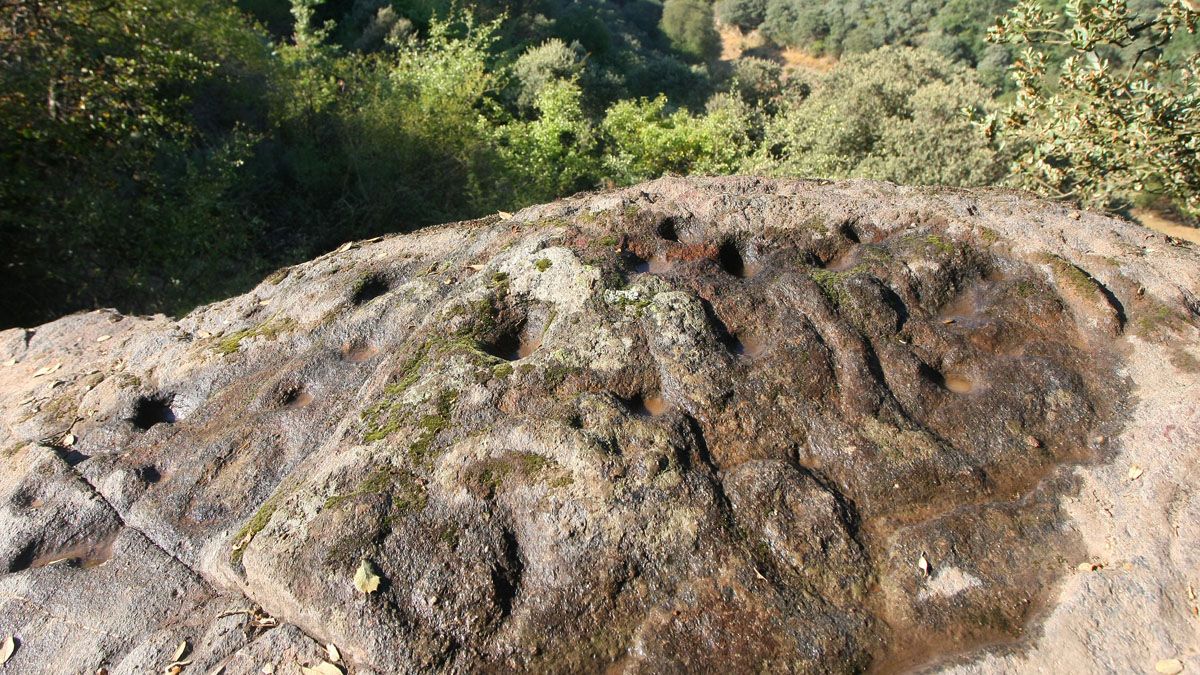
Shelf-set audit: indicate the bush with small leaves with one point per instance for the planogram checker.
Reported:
(1122, 115)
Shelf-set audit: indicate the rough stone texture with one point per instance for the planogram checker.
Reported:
(725, 424)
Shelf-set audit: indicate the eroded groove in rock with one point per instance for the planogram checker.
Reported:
(694, 425)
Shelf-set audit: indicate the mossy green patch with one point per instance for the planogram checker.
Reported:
(269, 329)
(1072, 276)
(502, 371)
(491, 474)
(1157, 321)
(833, 284)
(431, 425)
(408, 496)
(557, 373)
(383, 418)
(253, 526)
(1184, 361)
(543, 264)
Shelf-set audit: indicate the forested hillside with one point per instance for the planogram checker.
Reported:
(161, 153)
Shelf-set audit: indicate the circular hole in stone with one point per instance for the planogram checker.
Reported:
(514, 344)
(648, 405)
(666, 230)
(957, 383)
(151, 410)
(358, 352)
(657, 264)
(368, 288)
(735, 263)
(731, 259)
(149, 474)
(746, 344)
(295, 398)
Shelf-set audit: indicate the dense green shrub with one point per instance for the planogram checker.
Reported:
(689, 26)
(544, 64)
(892, 114)
(745, 14)
(126, 129)
(645, 140)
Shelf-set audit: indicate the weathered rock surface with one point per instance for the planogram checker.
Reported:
(716, 425)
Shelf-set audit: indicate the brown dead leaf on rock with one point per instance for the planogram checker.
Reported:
(1135, 472)
(6, 649)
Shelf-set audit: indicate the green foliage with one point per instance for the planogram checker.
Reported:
(550, 62)
(646, 141)
(553, 154)
(892, 114)
(1123, 114)
(955, 28)
(161, 153)
(689, 26)
(745, 14)
(127, 125)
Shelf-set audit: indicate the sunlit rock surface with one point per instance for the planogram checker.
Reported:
(694, 425)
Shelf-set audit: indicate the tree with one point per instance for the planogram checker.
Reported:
(1122, 116)
(892, 114)
(745, 14)
(544, 64)
(127, 126)
(645, 141)
(688, 24)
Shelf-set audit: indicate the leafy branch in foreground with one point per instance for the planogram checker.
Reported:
(1121, 118)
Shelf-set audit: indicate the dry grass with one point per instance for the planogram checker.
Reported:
(735, 44)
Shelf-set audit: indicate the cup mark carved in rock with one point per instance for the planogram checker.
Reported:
(153, 409)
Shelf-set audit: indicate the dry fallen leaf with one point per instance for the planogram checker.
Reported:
(365, 579)
(46, 370)
(6, 649)
(10, 363)
(180, 651)
(332, 650)
(1135, 472)
(324, 668)
(504, 214)
(68, 440)
(923, 565)
(268, 668)
(1169, 667)
(342, 249)
(104, 338)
